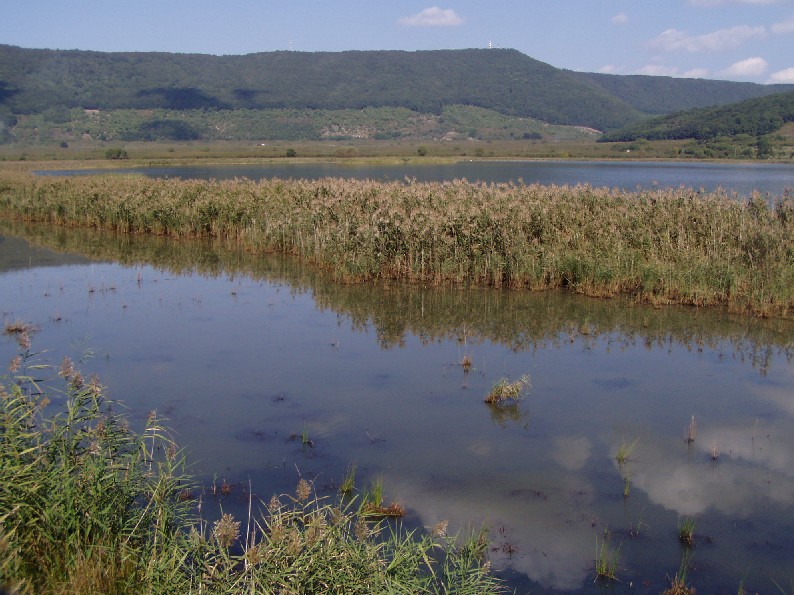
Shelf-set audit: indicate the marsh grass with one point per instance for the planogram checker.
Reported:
(686, 531)
(504, 390)
(662, 246)
(624, 452)
(349, 481)
(678, 584)
(607, 561)
(90, 506)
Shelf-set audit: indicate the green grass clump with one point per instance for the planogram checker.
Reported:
(686, 531)
(662, 246)
(88, 505)
(607, 560)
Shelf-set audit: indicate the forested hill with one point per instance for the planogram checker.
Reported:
(505, 81)
(754, 117)
(659, 95)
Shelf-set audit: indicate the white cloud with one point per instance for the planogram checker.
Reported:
(620, 19)
(674, 39)
(608, 69)
(432, 17)
(751, 67)
(784, 27)
(782, 76)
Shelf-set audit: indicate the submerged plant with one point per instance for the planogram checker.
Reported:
(505, 390)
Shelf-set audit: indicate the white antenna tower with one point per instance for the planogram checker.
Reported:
(290, 45)
(490, 45)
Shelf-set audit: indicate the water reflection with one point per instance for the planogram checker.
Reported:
(242, 352)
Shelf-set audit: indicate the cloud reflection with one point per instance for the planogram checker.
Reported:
(545, 534)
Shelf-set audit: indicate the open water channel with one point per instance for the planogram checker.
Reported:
(242, 354)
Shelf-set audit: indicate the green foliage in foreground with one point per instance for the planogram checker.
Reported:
(89, 506)
(663, 246)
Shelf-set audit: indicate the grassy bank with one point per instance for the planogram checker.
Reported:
(88, 505)
(665, 246)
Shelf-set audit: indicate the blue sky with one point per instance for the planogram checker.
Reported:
(743, 40)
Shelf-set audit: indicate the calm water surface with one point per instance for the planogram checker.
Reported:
(740, 178)
(239, 353)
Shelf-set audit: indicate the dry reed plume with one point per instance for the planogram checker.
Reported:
(661, 246)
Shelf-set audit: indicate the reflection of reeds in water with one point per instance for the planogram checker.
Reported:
(661, 246)
(430, 312)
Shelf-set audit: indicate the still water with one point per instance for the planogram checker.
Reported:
(240, 353)
(740, 178)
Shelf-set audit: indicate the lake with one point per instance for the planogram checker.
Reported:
(740, 178)
(243, 353)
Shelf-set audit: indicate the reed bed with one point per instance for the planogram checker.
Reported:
(662, 247)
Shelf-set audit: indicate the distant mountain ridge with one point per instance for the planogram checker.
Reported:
(40, 81)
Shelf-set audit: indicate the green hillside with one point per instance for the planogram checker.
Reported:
(506, 81)
(151, 96)
(753, 117)
(658, 95)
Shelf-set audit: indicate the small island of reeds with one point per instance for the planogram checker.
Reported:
(663, 246)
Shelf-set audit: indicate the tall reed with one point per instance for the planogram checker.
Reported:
(661, 246)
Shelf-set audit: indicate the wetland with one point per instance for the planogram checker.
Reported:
(268, 369)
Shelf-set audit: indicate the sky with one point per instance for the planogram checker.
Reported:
(740, 40)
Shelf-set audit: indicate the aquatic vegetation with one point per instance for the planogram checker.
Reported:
(607, 560)
(686, 531)
(349, 481)
(90, 506)
(624, 452)
(661, 246)
(678, 584)
(504, 390)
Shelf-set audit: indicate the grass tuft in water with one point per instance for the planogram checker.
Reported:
(607, 561)
(678, 584)
(349, 481)
(504, 390)
(686, 531)
(624, 452)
